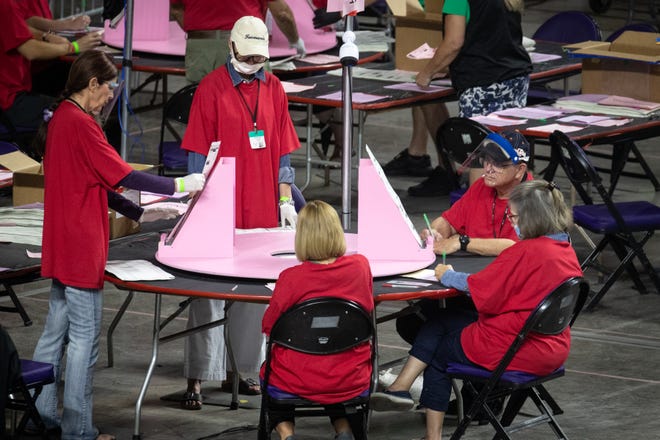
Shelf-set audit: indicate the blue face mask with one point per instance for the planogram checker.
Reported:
(517, 229)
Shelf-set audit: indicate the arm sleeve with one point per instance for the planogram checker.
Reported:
(287, 173)
(457, 280)
(148, 182)
(124, 206)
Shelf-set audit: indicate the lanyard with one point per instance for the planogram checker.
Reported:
(492, 219)
(256, 105)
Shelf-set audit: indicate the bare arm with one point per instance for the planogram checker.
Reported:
(65, 24)
(447, 51)
(41, 50)
(284, 19)
(46, 50)
(285, 190)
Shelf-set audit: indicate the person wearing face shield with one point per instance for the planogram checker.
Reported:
(476, 223)
(244, 107)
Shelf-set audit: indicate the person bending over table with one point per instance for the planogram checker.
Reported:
(246, 109)
(504, 294)
(21, 44)
(208, 24)
(81, 173)
(488, 65)
(324, 272)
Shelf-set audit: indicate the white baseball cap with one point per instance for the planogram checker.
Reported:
(250, 36)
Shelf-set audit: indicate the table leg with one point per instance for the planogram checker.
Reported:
(18, 307)
(308, 152)
(150, 370)
(113, 325)
(232, 361)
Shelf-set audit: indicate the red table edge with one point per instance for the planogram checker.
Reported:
(265, 299)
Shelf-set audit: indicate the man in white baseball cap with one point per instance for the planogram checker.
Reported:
(244, 107)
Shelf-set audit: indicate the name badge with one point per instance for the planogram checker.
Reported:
(257, 139)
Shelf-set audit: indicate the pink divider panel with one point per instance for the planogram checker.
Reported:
(208, 243)
(154, 33)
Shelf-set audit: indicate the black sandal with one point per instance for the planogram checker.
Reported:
(191, 401)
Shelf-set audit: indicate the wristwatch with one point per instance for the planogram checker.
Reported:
(464, 240)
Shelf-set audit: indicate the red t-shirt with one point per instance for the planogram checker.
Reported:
(331, 378)
(218, 113)
(36, 8)
(79, 168)
(480, 213)
(506, 292)
(201, 15)
(15, 74)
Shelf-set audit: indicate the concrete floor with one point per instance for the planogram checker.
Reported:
(612, 382)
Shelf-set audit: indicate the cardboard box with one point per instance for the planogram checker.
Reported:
(28, 188)
(414, 27)
(629, 66)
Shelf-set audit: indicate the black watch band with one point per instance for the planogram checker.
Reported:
(464, 240)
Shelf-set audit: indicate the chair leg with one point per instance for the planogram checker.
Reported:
(552, 403)
(545, 410)
(516, 401)
(263, 432)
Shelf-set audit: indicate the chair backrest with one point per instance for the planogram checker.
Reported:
(323, 325)
(582, 174)
(639, 27)
(7, 147)
(176, 109)
(456, 140)
(178, 106)
(10, 368)
(554, 314)
(568, 27)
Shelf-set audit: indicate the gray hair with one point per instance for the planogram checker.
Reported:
(515, 5)
(541, 209)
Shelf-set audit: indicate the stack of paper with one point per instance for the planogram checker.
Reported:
(609, 105)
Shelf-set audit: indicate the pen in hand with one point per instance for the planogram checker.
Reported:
(428, 224)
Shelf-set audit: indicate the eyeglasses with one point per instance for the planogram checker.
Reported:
(112, 85)
(251, 59)
(511, 217)
(494, 167)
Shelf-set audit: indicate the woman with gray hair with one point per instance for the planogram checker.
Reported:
(504, 295)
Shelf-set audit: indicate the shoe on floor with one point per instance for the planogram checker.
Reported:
(437, 184)
(391, 401)
(405, 164)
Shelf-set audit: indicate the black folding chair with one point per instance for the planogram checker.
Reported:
(618, 222)
(23, 384)
(320, 326)
(552, 316)
(174, 160)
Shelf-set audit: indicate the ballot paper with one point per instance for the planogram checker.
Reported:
(423, 52)
(358, 97)
(291, 87)
(413, 87)
(422, 274)
(136, 270)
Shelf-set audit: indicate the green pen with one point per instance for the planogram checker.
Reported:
(444, 258)
(428, 223)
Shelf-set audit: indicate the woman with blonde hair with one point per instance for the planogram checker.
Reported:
(325, 271)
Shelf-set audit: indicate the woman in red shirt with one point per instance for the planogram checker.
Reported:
(324, 271)
(504, 295)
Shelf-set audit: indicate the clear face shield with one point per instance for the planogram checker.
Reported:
(496, 151)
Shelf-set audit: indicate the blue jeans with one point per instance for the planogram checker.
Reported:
(75, 315)
(437, 344)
